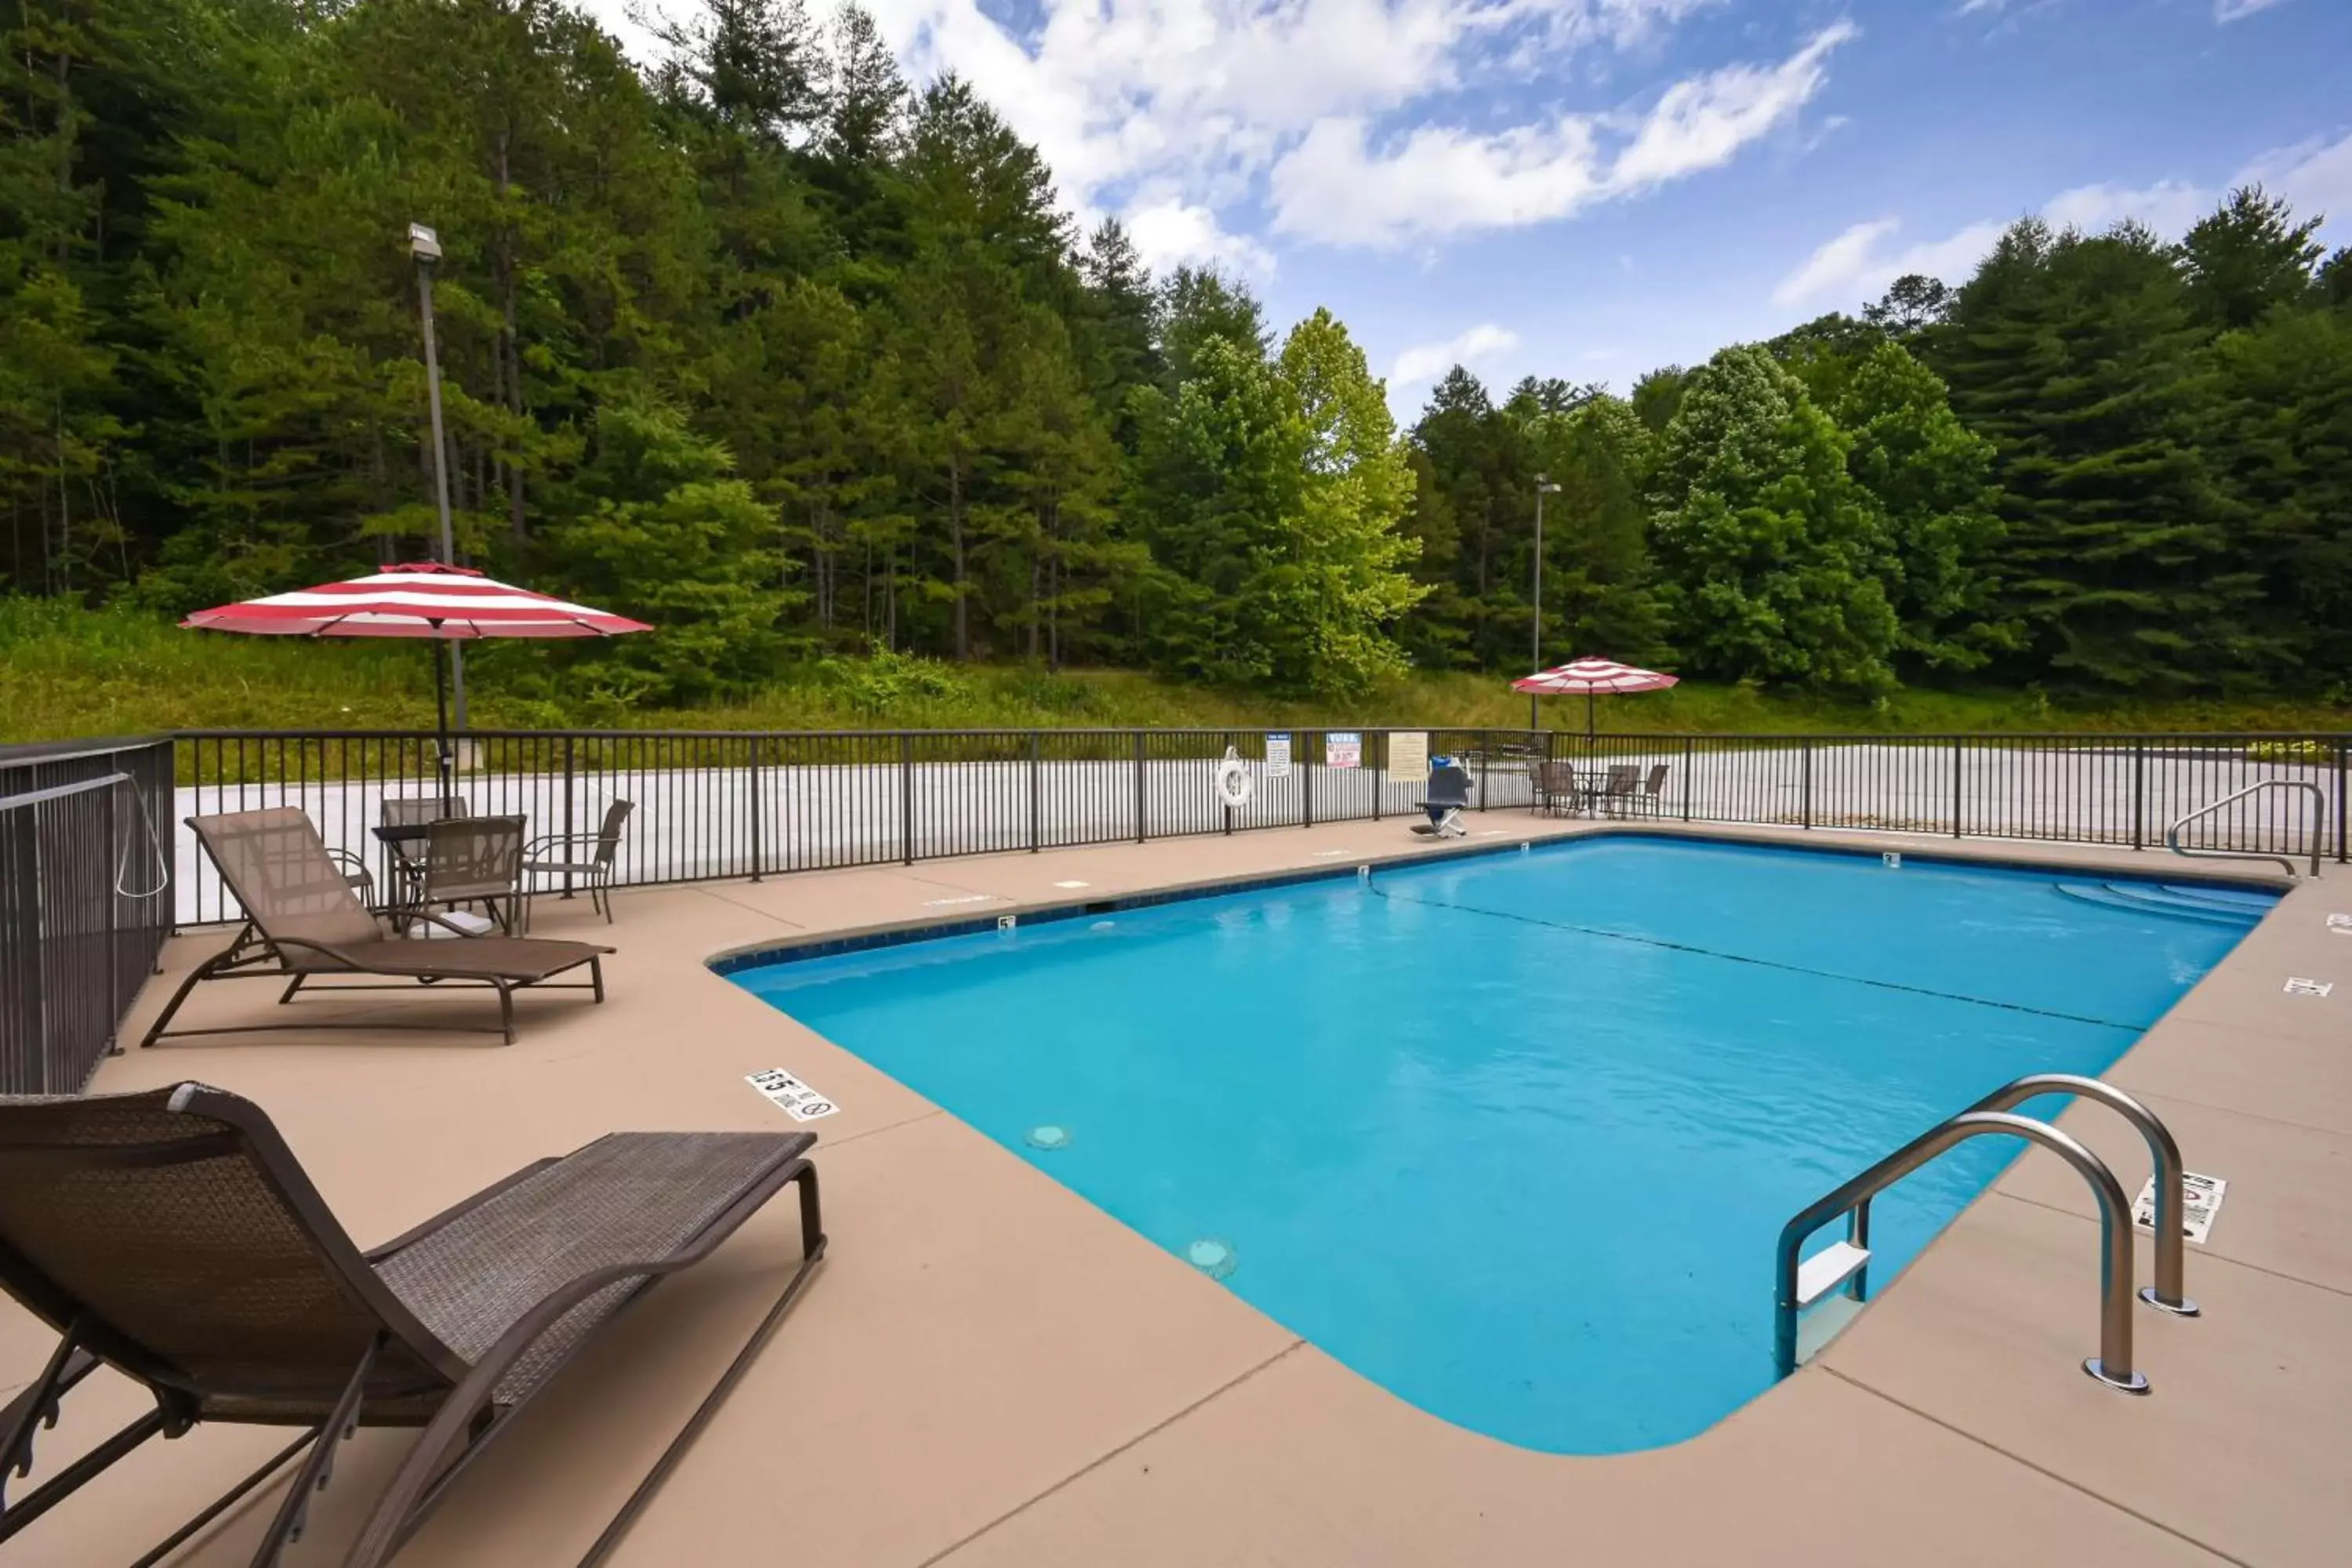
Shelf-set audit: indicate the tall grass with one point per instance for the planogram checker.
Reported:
(67, 672)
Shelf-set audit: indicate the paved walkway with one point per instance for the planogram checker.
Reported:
(988, 1371)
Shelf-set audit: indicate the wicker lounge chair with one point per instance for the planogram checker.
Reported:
(304, 921)
(172, 1236)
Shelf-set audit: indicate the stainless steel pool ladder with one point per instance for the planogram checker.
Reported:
(2318, 826)
(1846, 1264)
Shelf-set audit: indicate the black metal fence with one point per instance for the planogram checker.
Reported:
(736, 804)
(86, 901)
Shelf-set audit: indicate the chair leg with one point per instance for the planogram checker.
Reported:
(506, 1008)
(596, 975)
(202, 972)
(291, 987)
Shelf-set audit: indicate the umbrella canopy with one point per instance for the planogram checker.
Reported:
(1591, 676)
(422, 599)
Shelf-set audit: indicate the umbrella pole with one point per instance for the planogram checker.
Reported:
(1587, 714)
(1532, 725)
(441, 718)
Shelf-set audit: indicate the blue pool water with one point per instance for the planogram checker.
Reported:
(1514, 1134)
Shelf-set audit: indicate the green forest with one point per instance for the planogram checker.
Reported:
(798, 360)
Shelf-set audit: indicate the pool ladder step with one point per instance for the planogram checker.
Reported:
(1822, 1282)
(1816, 1297)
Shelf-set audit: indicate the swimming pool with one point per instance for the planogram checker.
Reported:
(1514, 1134)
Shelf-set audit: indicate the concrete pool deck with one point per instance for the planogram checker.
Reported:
(987, 1369)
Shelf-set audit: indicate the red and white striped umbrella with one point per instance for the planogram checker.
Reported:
(423, 599)
(1591, 676)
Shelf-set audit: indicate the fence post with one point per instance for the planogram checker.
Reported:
(568, 742)
(2139, 795)
(906, 799)
(1036, 785)
(1138, 787)
(1690, 756)
(2339, 801)
(1379, 773)
(1305, 782)
(1486, 750)
(759, 834)
(1233, 744)
(1806, 795)
(1956, 744)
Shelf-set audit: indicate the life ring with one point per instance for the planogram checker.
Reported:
(1233, 780)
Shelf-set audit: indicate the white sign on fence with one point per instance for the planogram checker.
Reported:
(1409, 756)
(1277, 755)
(791, 1095)
(1343, 749)
(2201, 1200)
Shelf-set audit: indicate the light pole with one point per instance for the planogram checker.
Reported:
(426, 246)
(1544, 487)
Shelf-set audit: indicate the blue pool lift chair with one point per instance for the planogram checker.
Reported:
(1447, 798)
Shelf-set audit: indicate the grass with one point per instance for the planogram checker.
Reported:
(66, 673)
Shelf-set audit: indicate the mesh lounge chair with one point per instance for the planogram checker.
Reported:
(303, 919)
(172, 1236)
(1447, 798)
(561, 855)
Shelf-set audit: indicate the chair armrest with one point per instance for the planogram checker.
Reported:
(548, 840)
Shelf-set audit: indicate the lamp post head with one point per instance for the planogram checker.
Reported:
(1544, 487)
(424, 243)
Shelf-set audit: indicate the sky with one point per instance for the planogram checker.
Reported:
(1592, 188)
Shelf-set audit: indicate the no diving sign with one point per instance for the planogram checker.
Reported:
(789, 1093)
(2201, 1200)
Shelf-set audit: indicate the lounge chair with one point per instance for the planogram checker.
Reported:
(1447, 796)
(171, 1236)
(304, 921)
(561, 855)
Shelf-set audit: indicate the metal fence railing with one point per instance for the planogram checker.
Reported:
(86, 901)
(740, 804)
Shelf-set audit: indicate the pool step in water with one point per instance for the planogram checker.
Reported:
(1825, 1322)
(2183, 904)
(1827, 1269)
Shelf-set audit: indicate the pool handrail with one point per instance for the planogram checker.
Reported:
(2319, 832)
(2166, 1295)
(2112, 1364)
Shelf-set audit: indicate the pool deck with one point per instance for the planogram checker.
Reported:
(986, 1370)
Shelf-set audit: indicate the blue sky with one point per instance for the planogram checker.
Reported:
(1588, 188)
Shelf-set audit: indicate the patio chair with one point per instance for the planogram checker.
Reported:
(412, 811)
(1555, 786)
(1447, 796)
(473, 860)
(171, 1236)
(1616, 790)
(585, 858)
(1653, 798)
(302, 921)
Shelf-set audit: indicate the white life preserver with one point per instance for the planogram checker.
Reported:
(1233, 780)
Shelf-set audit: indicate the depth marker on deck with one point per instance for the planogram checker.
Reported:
(2200, 1201)
(2296, 985)
(790, 1094)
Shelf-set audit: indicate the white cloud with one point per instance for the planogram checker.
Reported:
(1191, 113)
(1172, 233)
(2316, 175)
(1438, 180)
(1859, 265)
(2167, 206)
(1427, 362)
(2227, 11)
